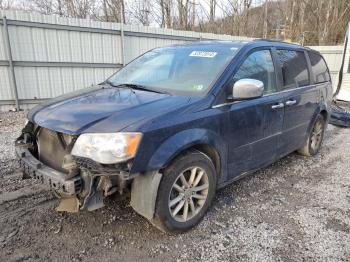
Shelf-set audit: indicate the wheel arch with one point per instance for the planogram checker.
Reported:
(206, 149)
(202, 140)
(320, 111)
(325, 114)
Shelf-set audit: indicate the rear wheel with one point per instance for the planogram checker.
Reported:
(315, 139)
(185, 192)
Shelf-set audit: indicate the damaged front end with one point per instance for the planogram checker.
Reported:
(81, 183)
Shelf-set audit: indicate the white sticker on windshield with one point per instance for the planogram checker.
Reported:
(203, 54)
(198, 87)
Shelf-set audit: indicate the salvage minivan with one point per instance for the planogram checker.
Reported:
(176, 124)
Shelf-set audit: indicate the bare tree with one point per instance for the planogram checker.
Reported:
(183, 11)
(114, 10)
(141, 11)
(49, 7)
(212, 9)
(69, 8)
(79, 8)
(309, 22)
(166, 7)
(5, 4)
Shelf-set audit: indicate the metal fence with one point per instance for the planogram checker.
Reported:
(333, 57)
(45, 56)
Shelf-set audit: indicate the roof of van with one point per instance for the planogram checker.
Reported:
(239, 43)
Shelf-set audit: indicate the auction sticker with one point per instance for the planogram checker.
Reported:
(203, 54)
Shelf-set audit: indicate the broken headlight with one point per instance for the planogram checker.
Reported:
(107, 148)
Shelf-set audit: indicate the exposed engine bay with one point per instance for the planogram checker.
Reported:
(80, 183)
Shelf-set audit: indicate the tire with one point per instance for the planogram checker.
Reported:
(190, 163)
(310, 147)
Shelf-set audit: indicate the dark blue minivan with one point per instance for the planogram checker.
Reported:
(177, 123)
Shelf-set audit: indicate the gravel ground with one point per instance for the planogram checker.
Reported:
(295, 210)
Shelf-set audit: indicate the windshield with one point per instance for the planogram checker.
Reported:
(187, 70)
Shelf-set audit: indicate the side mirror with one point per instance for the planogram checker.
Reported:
(247, 89)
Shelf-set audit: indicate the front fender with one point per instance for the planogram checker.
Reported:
(186, 139)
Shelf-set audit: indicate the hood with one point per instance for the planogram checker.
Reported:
(102, 109)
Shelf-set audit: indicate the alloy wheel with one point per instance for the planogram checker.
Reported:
(188, 194)
(316, 136)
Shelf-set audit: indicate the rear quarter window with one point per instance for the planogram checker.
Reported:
(294, 68)
(319, 68)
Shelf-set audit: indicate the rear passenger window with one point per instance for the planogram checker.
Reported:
(259, 66)
(294, 68)
(319, 68)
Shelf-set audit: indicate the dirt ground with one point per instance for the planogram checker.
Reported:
(295, 210)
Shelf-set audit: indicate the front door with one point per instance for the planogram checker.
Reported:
(254, 126)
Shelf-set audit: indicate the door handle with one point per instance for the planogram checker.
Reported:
(279, 105)
(291, 102)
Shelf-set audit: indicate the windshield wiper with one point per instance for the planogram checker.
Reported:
(144, 88)
(117, 86)
(136, 86)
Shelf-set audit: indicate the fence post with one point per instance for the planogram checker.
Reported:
(348, 48)
(122, 44)
(11, 67)
(122, 38)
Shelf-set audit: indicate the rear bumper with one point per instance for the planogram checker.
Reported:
(339, 122)
(47, 176)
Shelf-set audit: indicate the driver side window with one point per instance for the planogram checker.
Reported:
(259, 66)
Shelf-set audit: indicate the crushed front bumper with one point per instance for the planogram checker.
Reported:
(340, 116)
(47, 176)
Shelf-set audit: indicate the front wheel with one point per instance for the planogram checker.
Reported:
(185, 192)
(315, 139)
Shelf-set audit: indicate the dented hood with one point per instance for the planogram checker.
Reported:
(102, 109)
